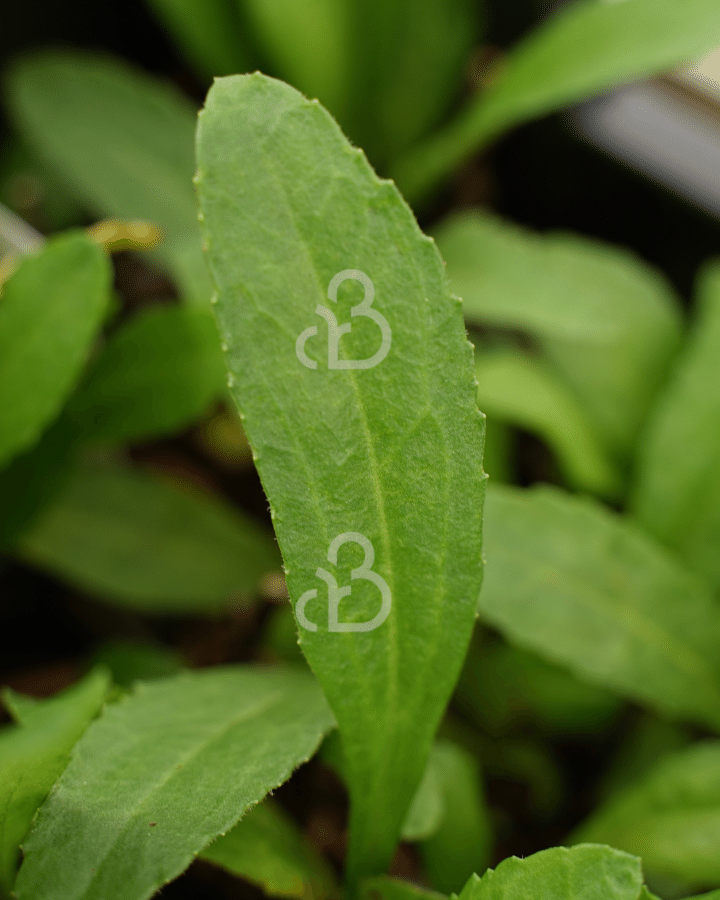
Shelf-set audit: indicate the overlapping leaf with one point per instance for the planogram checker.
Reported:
(391, 452)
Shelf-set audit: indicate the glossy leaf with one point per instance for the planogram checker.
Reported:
(33, 755)
(584, 49)
(130, 538)
(586, 872)
(583, 587)
(119, 822)
(522, 390)
(677, 495)
(462, 843)
(607, 323)
(670, 816)
(267, 848)
(123, 139)
(50, 312)
(209, 31)
(391, 452)
(157, 374)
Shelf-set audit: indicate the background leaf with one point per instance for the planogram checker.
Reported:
(670, 816)
(590, 46)
(123, 140)
(677, 494)
(33, 755)
(606, 322)
(581, 586)
(130, 538)
(50, 311)
(119, 821)
(157, 373)
(267, 848)
(391, 452)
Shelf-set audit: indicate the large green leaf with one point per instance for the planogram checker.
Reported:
(522, 390)
(132, 539)
(584, 587)
(670, 817)
(267, 848)
(587, 48)
(158, 373)
(50, 312)
(209, 31)
(462, 843)
(389, 454)
(122, 139)
(677, 495)
(586, 872)
(606, 322)
(33, 755)
(163, 773)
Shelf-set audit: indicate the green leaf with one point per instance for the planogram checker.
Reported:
(20, 706)
(391, 452)
(427, 807)
(383, 887)
(587, 872)
(677, 495)
(523, 391)
(670, 817)
(462, 843)
(208, 31)
(134, 540)
(163, 773)
(50, 311)
(606, 322)
(583, 50)
(584, 587)
(157, 374)
(131, 661)
(267, 848)
(123, 139)
(33, 755)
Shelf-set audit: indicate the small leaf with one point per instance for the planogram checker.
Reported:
(586, 872)
(677, 495)
(131, 661)
(391, 452)
(523, 391)
(123, 139)
(383, 887)
(670, 817)
(50, 311)
(427, 807)
(268, 849)
(33, 755)
(130, 538)
(583, 50)
(607, 323)
(163, 773)
(583, 587)
(462, 843)
(158, 373)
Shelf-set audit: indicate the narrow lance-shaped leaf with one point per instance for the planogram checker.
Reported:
(670, 817)
(123, 140)
(50, 312)
(158, 373)
(134, 540)
(386, 456)
(584, 587)
(163, 773)
(677, 495)
(580, 51)
(32, 756)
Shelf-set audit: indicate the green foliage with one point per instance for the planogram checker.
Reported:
(141, 543)
(118, 822)
(32, 756)
(387, 707)
(50, 312)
